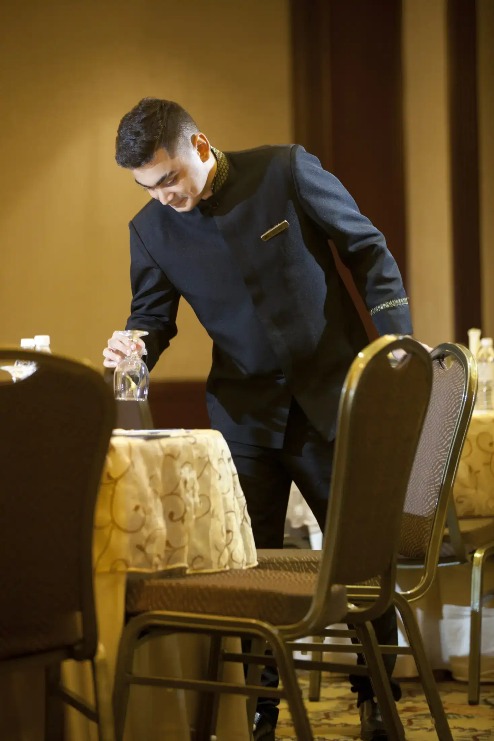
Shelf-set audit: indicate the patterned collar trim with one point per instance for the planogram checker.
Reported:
(221, 170)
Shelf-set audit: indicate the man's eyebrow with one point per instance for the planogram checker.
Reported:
(162, 179)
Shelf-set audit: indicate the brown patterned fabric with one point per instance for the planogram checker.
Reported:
(278, 598)
(431, 460)
(221, 171)
(289, 559)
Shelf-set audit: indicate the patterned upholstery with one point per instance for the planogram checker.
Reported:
(289, 559)
(277, 598)
(433, 457)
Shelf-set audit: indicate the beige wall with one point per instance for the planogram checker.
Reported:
(68, 71)
(428, 201)
(427, 164)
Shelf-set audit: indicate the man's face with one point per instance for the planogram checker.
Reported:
(180, 181)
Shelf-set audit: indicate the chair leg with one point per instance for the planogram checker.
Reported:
(208, 709)
(121, 686)
(476, 600)
(315, 674)
(253, 676)
(54, 705)
(380, 681)
(475, 630)
(424, 669)
(284, 661)
(104, 709)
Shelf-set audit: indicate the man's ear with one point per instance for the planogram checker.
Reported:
(202, 146)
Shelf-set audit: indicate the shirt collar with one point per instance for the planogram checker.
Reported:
(221, 170)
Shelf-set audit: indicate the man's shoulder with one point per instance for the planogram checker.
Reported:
(251, 167)
(264, 153)
(151, 211)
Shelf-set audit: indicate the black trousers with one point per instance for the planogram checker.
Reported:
(266, 475)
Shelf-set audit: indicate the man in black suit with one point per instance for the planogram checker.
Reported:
(243, 237)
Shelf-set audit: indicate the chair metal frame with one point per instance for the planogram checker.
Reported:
(433, 551)
(56, 426)
(382, 409)
(429, 497)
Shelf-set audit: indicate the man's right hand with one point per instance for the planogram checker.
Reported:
(119, 347)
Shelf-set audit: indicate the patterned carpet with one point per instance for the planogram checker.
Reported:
(335, 717)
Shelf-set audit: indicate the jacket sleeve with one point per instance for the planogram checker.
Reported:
(154, 300)
(360, 245)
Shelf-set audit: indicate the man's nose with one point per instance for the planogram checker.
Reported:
(166, 197)
(161, 196)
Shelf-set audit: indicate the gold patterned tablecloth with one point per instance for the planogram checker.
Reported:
(474, 485)
(171, 501)
(166, 502)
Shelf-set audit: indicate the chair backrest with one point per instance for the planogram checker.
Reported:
(382, 408)
(431, 481)
(54, 435)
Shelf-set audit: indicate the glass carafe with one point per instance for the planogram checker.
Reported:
(131, 376)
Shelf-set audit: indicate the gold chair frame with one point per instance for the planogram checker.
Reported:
(382, 409)
(428, 498)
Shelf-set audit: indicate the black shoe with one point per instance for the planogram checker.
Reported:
(371, 723)
(263, 728)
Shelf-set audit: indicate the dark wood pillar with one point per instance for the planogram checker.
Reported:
(347, 93)
(464, 157)
(348, 110)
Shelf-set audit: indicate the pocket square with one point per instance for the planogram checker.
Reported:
(275, 230)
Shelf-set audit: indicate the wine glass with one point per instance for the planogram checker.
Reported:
(131, 377)
(20, 369)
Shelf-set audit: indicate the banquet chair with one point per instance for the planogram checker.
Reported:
(56, 426)
(427, 501)
(381, 412)
(431, 534)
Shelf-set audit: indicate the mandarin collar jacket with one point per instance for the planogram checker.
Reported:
(267, 228)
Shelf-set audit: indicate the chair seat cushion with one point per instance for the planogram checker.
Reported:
(277, 597)
(289, 559)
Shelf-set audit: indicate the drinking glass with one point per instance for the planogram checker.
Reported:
(131, 376)
(20, 369)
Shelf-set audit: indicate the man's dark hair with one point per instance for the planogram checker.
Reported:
(150, 125)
